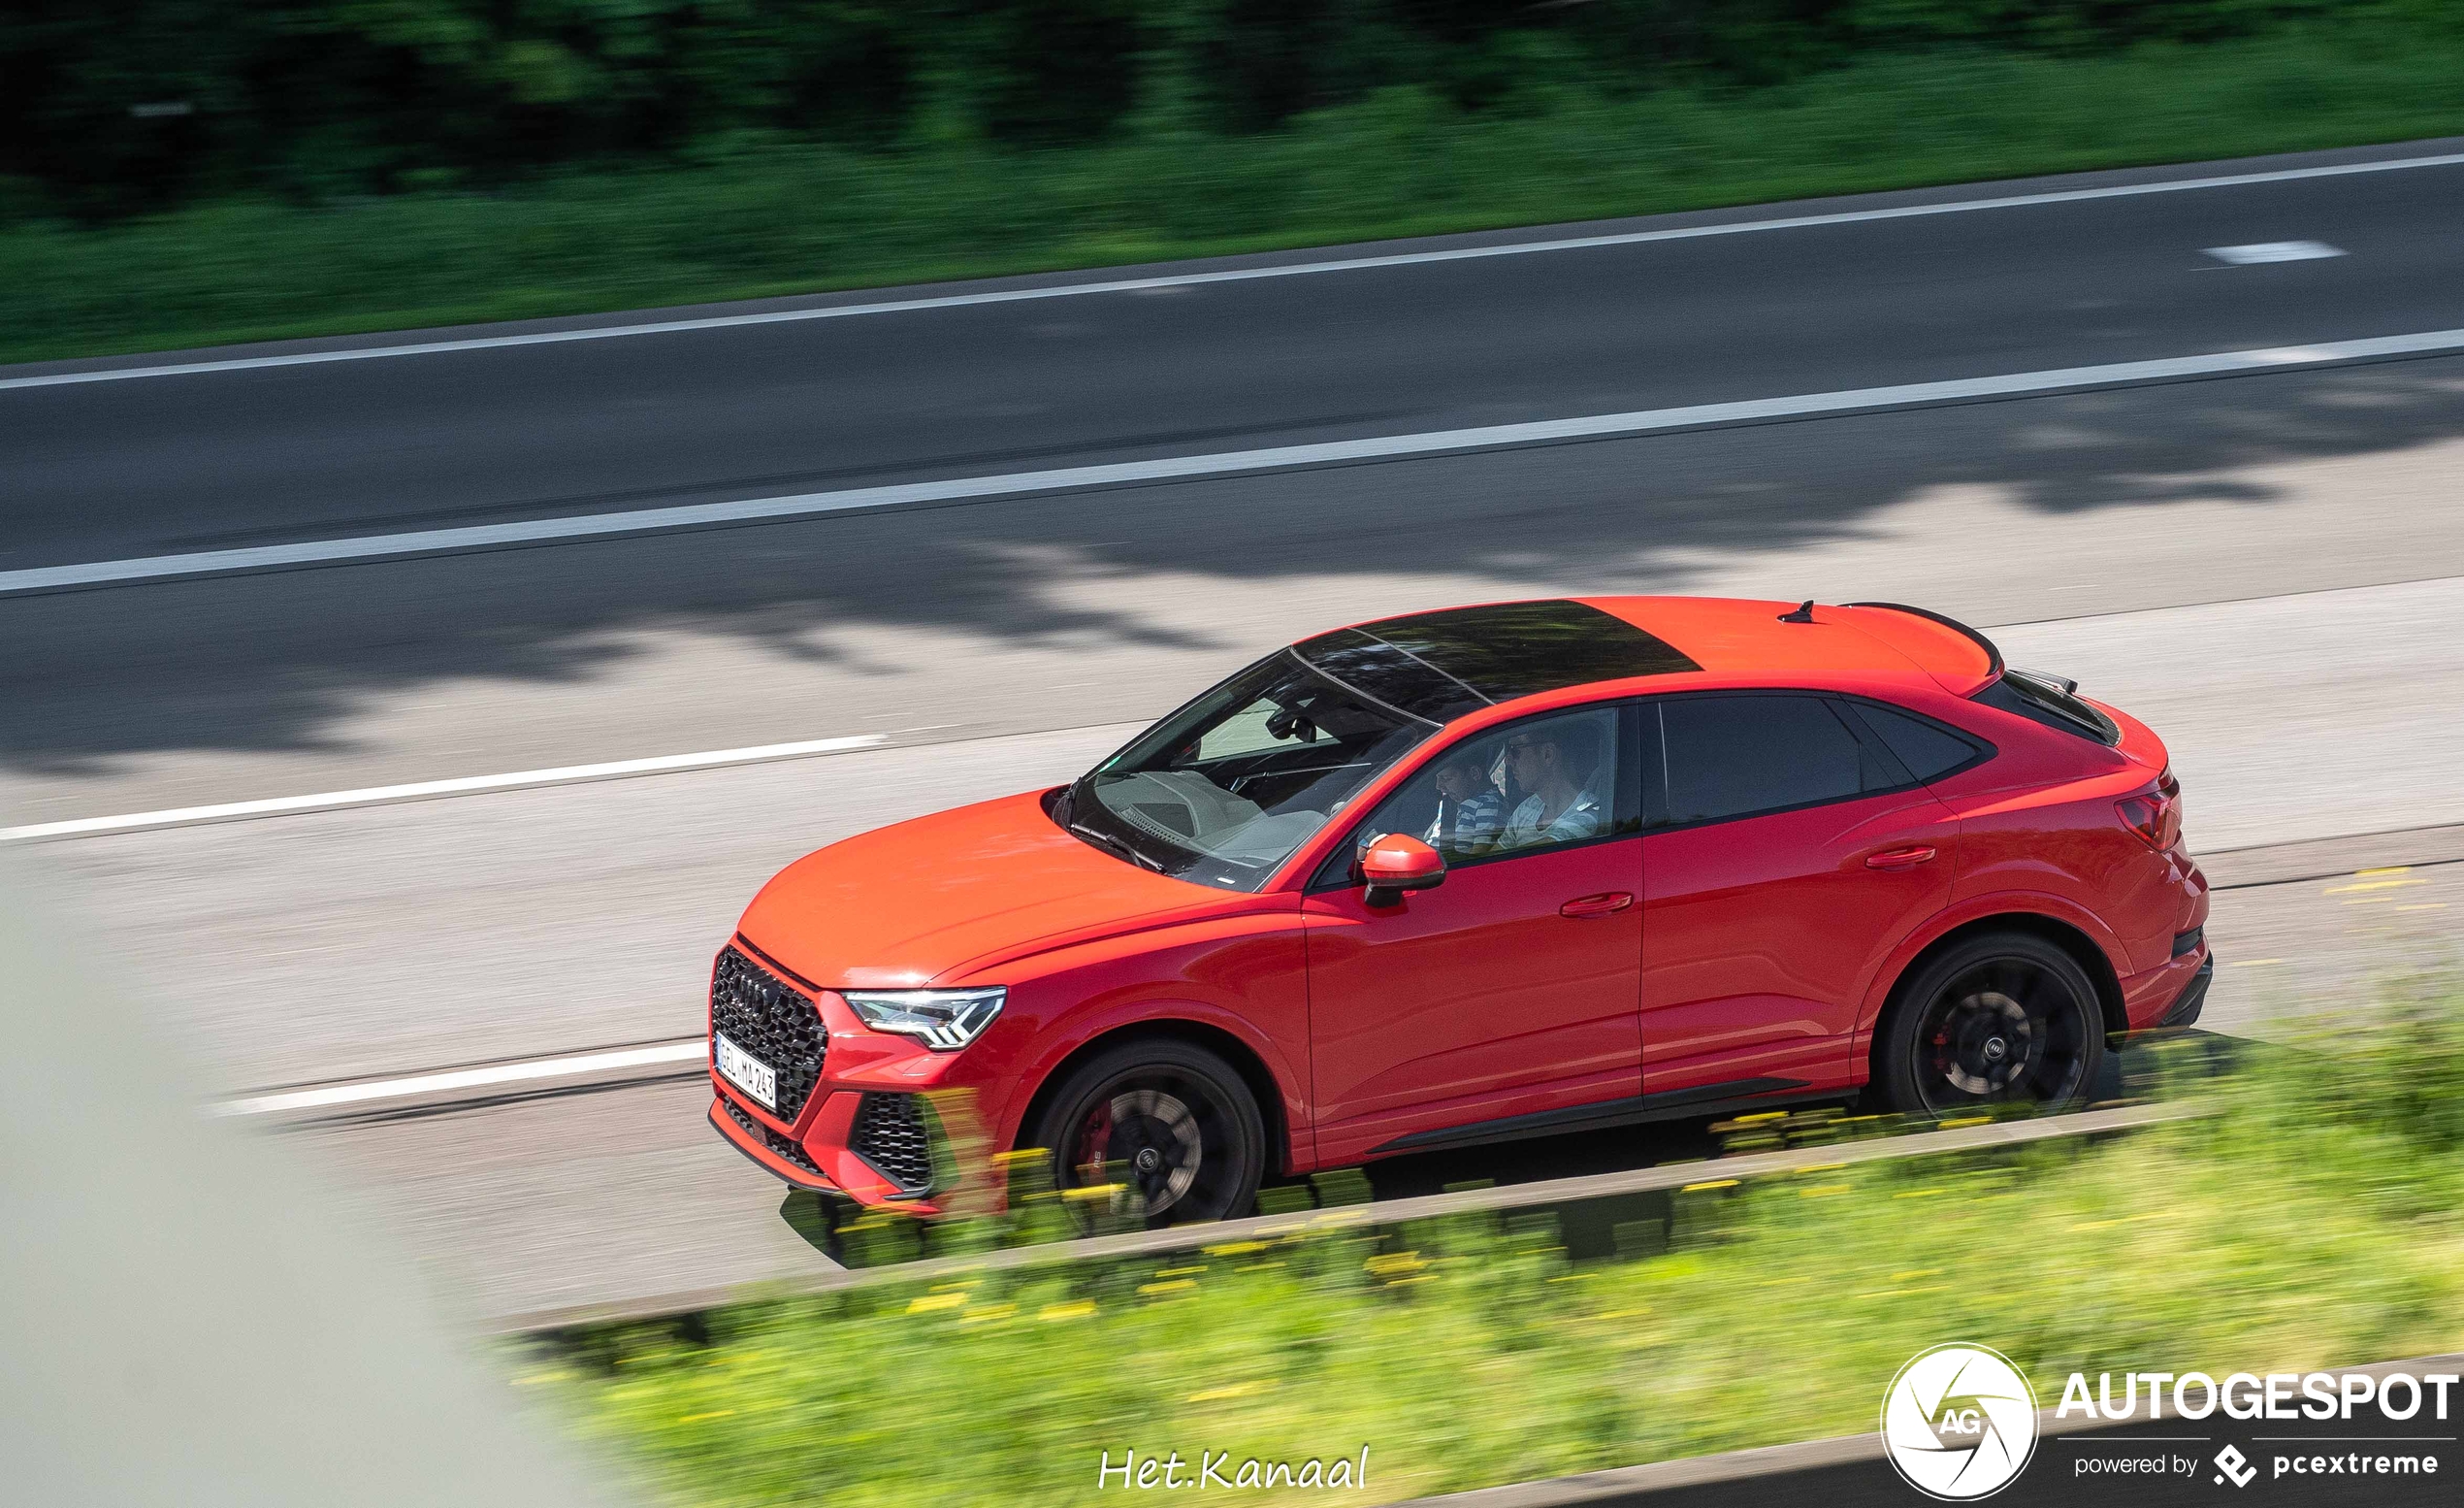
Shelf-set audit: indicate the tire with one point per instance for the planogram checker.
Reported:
(2002, 1019)
(1169, 1119)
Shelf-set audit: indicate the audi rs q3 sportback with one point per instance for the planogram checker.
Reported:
(1477, 874)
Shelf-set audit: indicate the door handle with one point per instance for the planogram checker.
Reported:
(1899, 858)
(1606, 904)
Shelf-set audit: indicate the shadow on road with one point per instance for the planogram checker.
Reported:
(284, 663)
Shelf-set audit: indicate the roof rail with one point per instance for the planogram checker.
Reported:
(1992, 655)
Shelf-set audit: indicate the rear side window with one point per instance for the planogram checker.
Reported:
(1735, 756)
(1928, 749)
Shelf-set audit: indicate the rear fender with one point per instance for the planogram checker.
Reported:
(1976, 908)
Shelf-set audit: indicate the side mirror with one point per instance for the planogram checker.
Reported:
(1396, 863)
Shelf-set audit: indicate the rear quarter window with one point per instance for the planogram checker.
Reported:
(1928, 749)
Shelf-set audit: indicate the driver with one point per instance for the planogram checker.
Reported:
(1553, 763)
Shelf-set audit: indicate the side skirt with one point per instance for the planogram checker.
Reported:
(1675, 1105)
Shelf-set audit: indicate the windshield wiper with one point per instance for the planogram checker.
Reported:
(1111, 844)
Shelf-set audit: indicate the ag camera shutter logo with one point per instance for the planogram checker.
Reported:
(1959, 1423)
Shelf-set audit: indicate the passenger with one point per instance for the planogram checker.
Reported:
(1469, 808)
(1553, 763)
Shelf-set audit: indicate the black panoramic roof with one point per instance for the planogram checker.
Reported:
(1439, 666)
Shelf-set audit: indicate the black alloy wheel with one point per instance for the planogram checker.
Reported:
(1167, 1122)
(2003, 1018)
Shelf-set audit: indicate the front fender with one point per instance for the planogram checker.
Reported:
(1243, 976)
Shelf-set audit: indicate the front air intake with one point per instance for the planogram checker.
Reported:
(785, 1148)
(891, 1137)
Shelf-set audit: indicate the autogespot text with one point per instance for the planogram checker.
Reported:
(2302, 1397)
(2242, 1396)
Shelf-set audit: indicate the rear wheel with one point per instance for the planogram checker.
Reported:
(1165, 1121)
(2002, 1019)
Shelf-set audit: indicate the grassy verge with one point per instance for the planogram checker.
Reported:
(2315, 1220)
(781, 219)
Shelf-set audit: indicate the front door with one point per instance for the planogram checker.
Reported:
(1511, 989)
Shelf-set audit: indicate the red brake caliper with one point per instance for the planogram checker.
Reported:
(1094, 1139)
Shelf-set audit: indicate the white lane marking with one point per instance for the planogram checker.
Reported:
(2264, 251)
(381, 795)
(1172, 280)
(567, 1066)
(1221, 464)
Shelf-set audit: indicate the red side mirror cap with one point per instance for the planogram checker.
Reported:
(1398, 862)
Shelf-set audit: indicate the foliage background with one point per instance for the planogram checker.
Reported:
(189, 173)
(113, 107)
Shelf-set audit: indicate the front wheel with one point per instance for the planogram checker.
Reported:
(1164, 1120)
(2002, 1019)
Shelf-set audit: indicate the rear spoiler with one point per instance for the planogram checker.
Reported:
(1992, 655)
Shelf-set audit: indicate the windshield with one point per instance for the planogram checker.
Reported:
(1224, 791)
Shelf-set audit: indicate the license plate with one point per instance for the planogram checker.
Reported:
(748, 1072)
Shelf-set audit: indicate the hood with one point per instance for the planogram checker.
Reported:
(911, 902)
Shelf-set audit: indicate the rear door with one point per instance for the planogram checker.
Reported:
(1785, 850)
(1508, 991)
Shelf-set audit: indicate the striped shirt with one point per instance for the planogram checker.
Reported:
(1469, 825)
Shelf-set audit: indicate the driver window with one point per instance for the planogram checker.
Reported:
(1518, 789)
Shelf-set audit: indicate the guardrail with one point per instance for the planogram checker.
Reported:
(1664, 1177)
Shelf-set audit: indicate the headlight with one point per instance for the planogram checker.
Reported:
(945, 1020)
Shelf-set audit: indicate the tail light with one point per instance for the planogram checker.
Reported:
(2154, 815)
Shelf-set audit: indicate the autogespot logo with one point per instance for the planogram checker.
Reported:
(1960, 1422)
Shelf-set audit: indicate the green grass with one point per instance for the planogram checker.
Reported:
(2314, 1219)
(786, 218)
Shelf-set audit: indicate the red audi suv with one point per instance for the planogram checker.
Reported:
(1478, 874)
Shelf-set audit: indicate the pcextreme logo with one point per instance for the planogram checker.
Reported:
(2231, 1463)
(1959, 1423)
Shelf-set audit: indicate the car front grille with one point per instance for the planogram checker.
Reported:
(770, 1021)
(891, 1135)
(784, 1148)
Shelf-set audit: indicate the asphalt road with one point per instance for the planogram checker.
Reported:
(2266, 567)
(100, 470)
(1073, 611)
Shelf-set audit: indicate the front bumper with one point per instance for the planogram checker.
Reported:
(781, 1157)
(873, 1148)
(857, 1113)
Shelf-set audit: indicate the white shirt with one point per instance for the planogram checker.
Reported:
(1581, 818)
